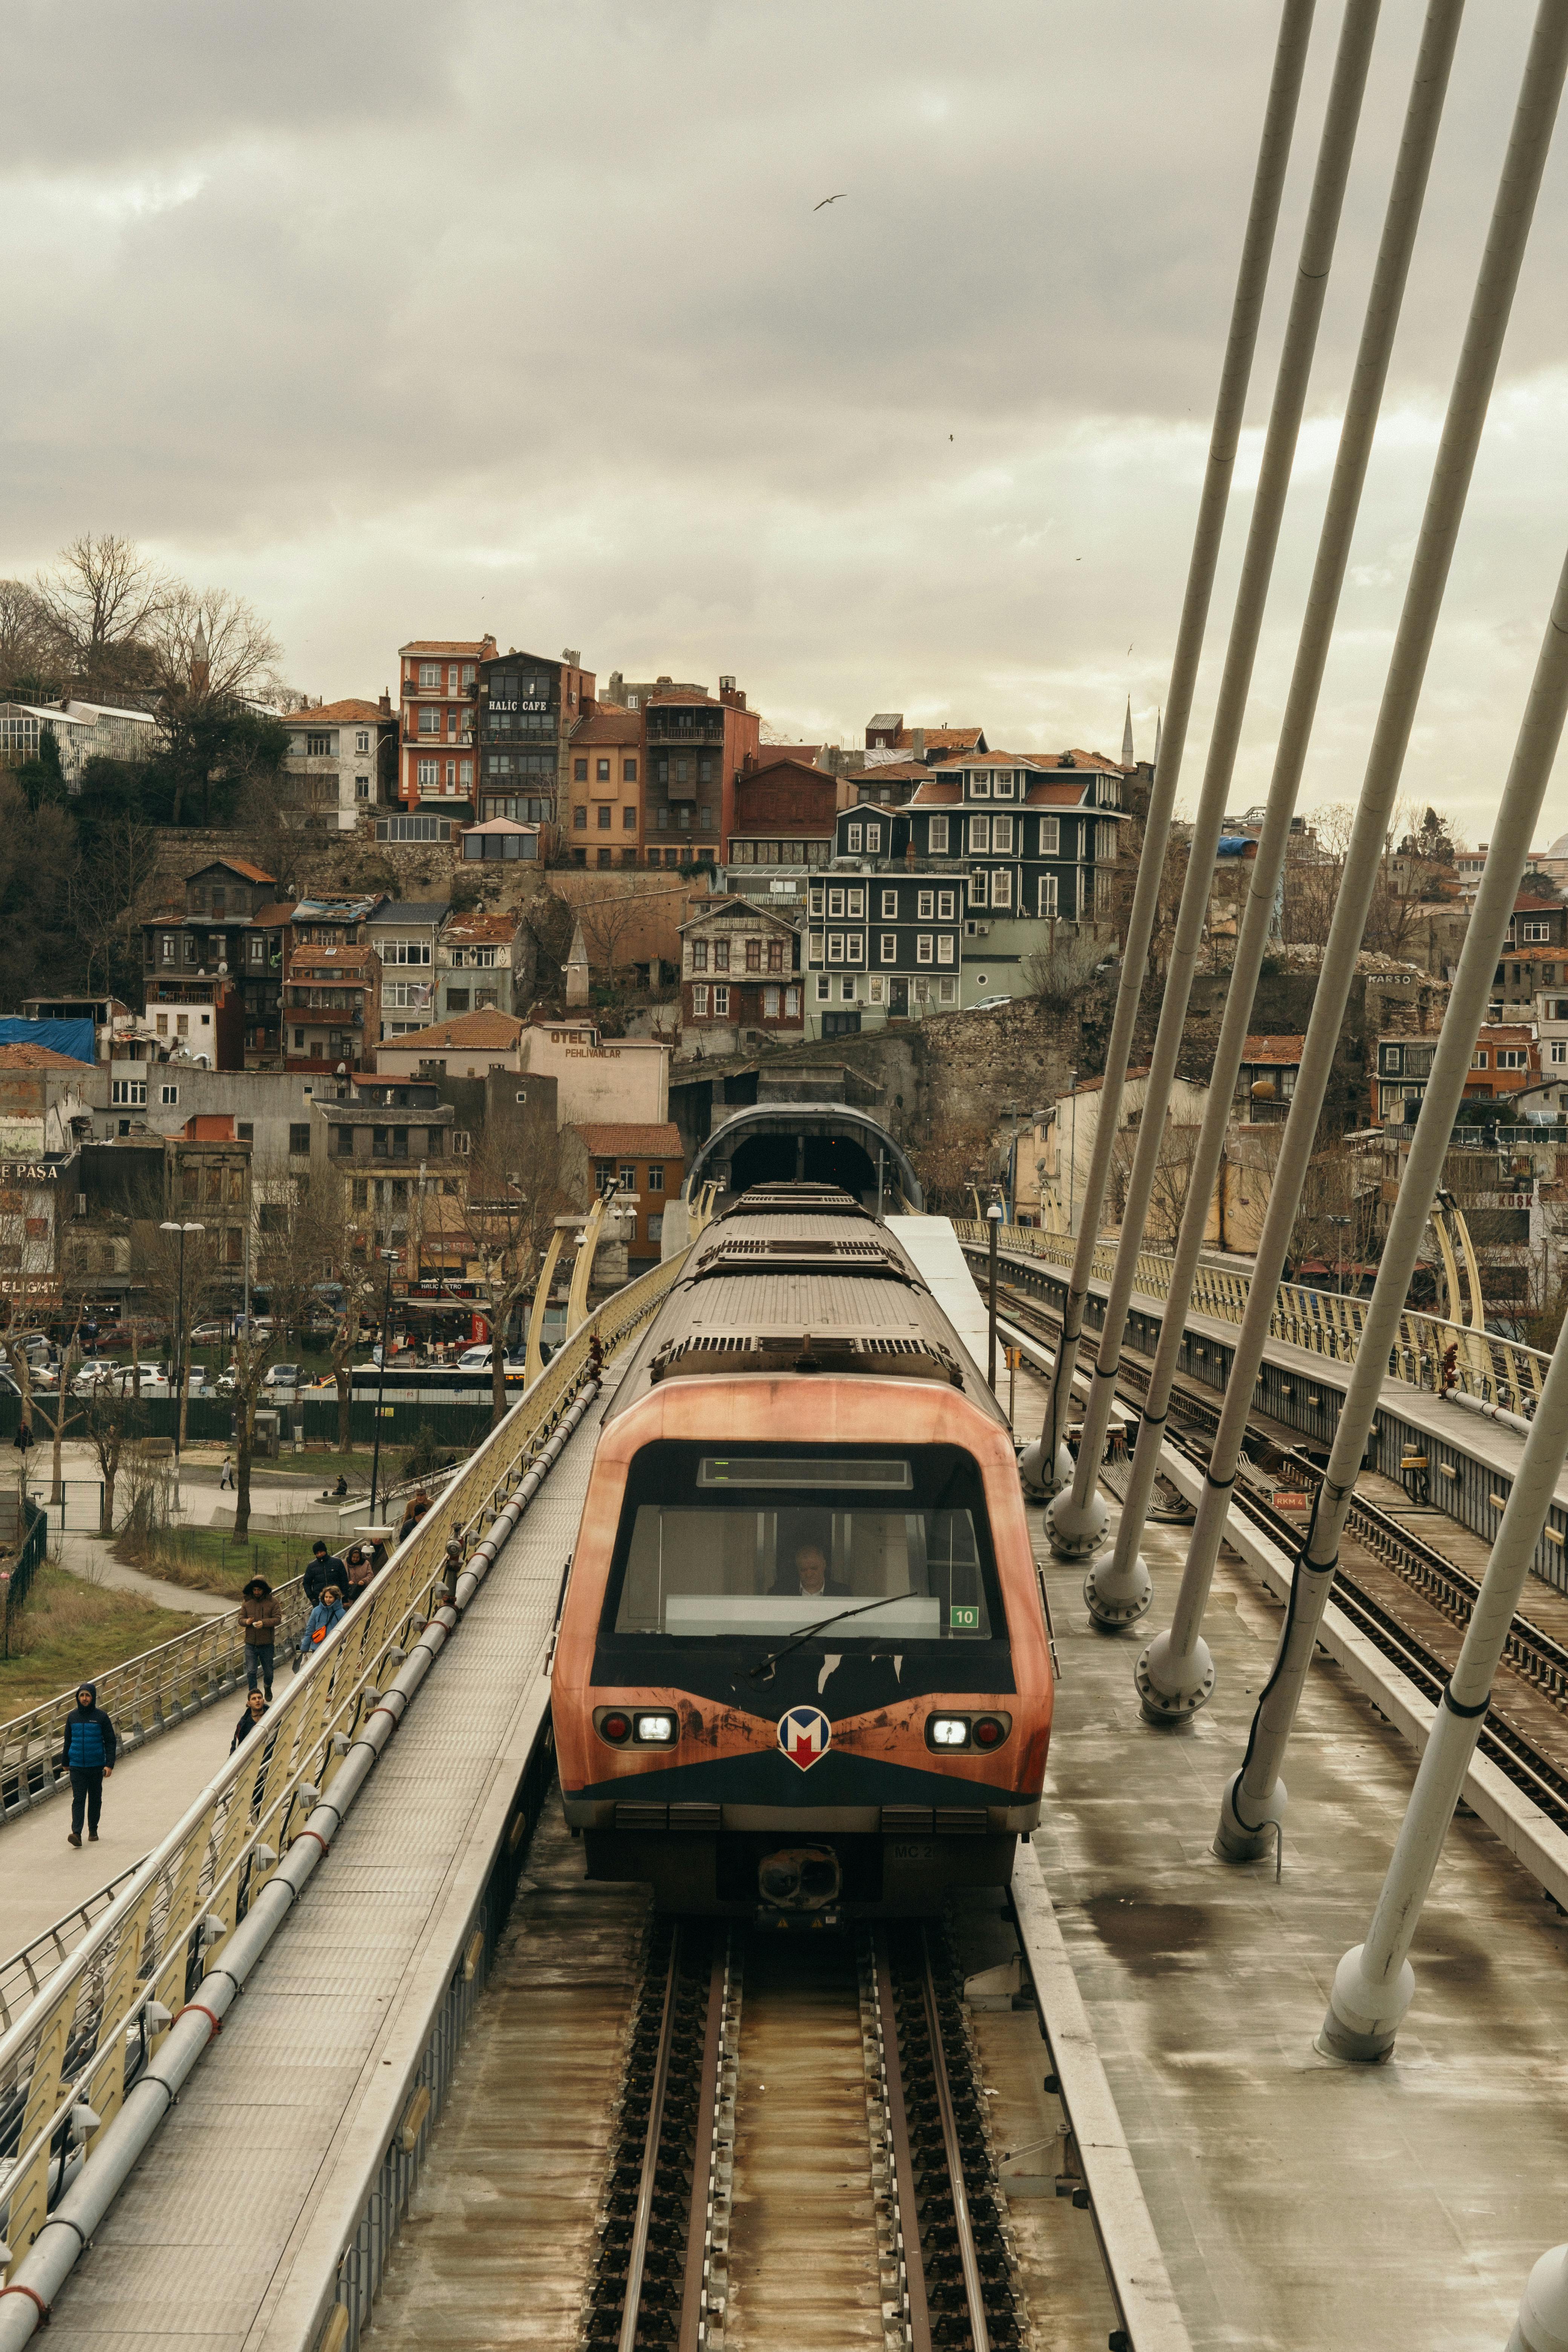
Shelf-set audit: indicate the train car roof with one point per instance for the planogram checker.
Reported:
(800, 1278)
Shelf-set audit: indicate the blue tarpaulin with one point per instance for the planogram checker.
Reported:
(72, 1037)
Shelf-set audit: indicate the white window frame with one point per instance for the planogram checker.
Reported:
(699, 999)
(791, 1003)
(853, 836)
(814, 947)
(938, 837)
(1050, 837)
(817, 898)
(1049, 891)
(873, 840)
(849, 990)
(857, 905)
(856, 945)
(977, 890)
(889, 906)
(945, 907)
(925, 906)
(835, 947)
(980, 783)
(1537, 932)
(1480, 1059)
(167, 1095)
(1001, 837)
(824, 988)
(1001, 888)
(835, 906)
(980, 836)
(925, 947)
(1003, 783)
(875, 989)
(770, 1004)
(947, 991)
(889, 947)
(944, 948)
(1512, 1058)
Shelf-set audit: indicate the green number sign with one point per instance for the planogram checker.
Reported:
(963, 1620)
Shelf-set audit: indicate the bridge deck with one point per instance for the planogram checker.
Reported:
(225, 2211)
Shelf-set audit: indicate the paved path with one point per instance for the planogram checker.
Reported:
(88, 1556)
(44, 1876)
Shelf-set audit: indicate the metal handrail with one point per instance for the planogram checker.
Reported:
(1495, 1372)
(166, 1928)
(142, 1697)
(24, 1974)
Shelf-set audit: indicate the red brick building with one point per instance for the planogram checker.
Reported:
(696, 748)
(643, 1158)
(331, 1008)
(782, 812)
(437, 753)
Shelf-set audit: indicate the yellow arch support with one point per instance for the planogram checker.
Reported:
(533, 1362)
(577, 1299)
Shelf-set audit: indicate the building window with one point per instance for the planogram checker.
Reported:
(720, 1000)
(854, 837)
(944, 948)
(889, 947)
(362, 741)
(876, 990)
(947, 989)
(628, 771)
(699, 955)
(816, 898)
(945, 906)
(1002, 835)
(169, 1093)
(580, 771)
(791, 1003)
(130, 1092)
(873, 839)
(770, 1004)
(580, 819)
(1559, 1049)
(1050, 837)
(1537, 932)
(980, 783)
(835, 947)
(628, 819)
(721, 955)
(429, 774)
(979, 836)
(700, 1000)
(1047, 894)
(1003, 783)
(923, 948)
(1479, 1060)
(846, 989)
(775, 955)
(977, 890)
(1002, 886)
(429, 722)
(824, 988)
(939, 836)
(604, 816)
(430, 676)
(602, 771)
(923, 906)
(656, 1180)
(856, 900)
(890, 905)
(362, 788)
(1512, 1058)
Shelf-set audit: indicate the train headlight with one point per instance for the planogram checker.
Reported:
(616, 1729)
(656, 1730)
(949, 1731)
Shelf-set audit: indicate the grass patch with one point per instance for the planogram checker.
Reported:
(208, 1560)
(72, 1632)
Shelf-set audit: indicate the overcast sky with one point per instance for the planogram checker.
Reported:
(412, 322)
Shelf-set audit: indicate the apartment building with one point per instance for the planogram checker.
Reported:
(739, 973)
(214, 967)
(602, 814)
(483, 964)
(404, 933)
(781, 826)
(882, 942)
(343, 760)
(1534, 953)
(696, 749)
(331, 1008)
(437, 696)
(527, 706)
(643, 1162)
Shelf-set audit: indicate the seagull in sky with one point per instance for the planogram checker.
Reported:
(830, 200)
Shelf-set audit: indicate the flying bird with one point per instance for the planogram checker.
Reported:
(830, 200)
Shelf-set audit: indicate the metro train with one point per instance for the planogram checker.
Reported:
(803, 1669)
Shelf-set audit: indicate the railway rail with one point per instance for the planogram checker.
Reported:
(1530, 1654)
(929, 2259)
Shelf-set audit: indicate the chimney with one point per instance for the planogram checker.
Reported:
(615, 690)
(571, 655)
(385, 706)
(918, 742)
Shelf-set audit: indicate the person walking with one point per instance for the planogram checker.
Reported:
(225, 1476)
(254, 1708)
(325, 1569)
(418, 1504)
(362, 1574)
(324, 1618)
(260, 1614)
(89, 1757)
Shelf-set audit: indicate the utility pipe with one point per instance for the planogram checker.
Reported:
(1374, 1983)
(1176, 1675)
(25, 2300)
(1117, 1588)
(1254, 1802)
(1045, 1465)
(1074, 1529)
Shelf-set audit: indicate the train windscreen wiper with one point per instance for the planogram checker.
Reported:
(763, 1669)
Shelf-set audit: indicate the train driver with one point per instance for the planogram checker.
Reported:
(809, 1574)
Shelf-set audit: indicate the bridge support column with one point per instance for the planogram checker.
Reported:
(1542, 2322)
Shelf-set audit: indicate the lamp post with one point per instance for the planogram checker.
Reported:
(392, 1258)
(994, 1215)
(1342, 1223)
(171, 1225)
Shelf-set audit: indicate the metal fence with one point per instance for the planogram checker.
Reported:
(91, 2028)
(1494, 1371)
(25, 1972)
(16, 1581)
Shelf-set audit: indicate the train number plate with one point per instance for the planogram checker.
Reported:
(911, 1850)
(963, 1620)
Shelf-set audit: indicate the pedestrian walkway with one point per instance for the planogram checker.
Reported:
(149, 1792)
(93, 1560)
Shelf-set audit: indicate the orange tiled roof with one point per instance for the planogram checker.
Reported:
(278, 911)
(606, 722)
(38, 1057)
(478, 1030)
(472, 648)
(500, 928)
(943, 739)
(353, 712)
(243, 865)
(634, 1140)
(1273, 1049)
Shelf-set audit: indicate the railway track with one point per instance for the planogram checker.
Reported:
(1530, 1654)
(850, 2197)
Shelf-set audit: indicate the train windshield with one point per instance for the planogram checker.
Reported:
(755, 1544)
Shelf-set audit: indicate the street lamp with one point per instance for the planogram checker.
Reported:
(392, 1258)
(994, 1215)
(169, 1225)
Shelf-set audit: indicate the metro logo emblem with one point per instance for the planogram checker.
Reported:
(805, 1736)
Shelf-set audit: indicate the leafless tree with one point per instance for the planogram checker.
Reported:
(512, 1194)
(1064, 972)
(210, 647)
(112, 1417)
(609, 920)
(181, 1306)
(103, 599)
(110, 895)
(30, 647)
(951, 1162)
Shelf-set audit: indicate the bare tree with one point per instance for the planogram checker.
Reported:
(509, 1204)
(112, 1416)
(211, 647)
(103, 599)
(110, 893)
(30, 647)
(180, 1304)
(951, 1162)
(1063, 970)
(608, 922)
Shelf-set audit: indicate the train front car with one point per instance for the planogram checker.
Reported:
(803, 1668)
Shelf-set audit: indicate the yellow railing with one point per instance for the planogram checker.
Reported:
(161, 1934)
(1497, 1372)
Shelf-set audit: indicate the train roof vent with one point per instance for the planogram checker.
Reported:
(801, 1253)
(806, 1352)
(780, 1199)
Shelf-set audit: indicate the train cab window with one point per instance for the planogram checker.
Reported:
(746, 1544)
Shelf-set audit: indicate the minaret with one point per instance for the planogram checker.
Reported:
(200, 668)
(1129, 758)
(577, 969)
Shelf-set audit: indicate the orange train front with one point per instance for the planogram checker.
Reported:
(803, 1668)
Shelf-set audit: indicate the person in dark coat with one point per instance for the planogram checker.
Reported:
(418, 1504)
(362, 1574)
(89, 1757)
(260, 1614)
(809, 1575)
(254, 1708)
(325, 1569)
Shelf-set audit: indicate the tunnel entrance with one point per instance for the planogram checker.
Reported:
(814, 1159)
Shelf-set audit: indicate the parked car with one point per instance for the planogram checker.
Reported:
(92, 1376)
(989, 1003)
(281, 1376)
(209, 1335)
(477, 1359)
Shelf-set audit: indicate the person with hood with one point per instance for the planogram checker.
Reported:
(89, 1757)
(418, 1504)
(325, 1569)
(362, 1573)
(327, 1613)
(260, 1614)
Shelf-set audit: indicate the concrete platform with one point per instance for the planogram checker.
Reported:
(1302, 2207)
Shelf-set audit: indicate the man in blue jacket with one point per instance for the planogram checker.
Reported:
(89, 1757)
